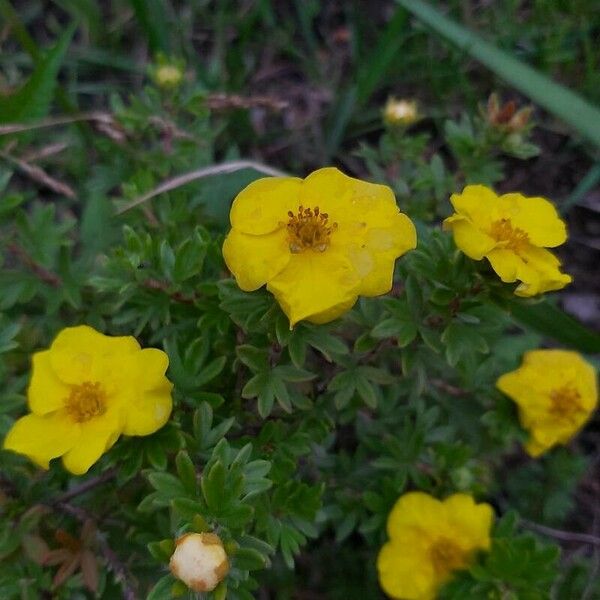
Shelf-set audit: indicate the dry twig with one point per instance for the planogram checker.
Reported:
(175, 182)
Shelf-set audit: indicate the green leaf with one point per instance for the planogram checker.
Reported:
(381, 57)
(166, 484)
(34, 99)
(549, 320)
(162, 589)
(555, 98)
(213, 487)
(152, 17)
(186, 471)
(249, 559)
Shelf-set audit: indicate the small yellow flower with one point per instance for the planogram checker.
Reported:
(200, 561)
(168, 76)
(85, 391)
(555, 391)
(429, 540)
(317, 243)
(512, 232)
(401, 112)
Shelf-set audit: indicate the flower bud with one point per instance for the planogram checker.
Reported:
(506, 117)
(401, 112)
(199, 561)
(168, 76)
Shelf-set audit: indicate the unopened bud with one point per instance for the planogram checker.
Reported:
(401, 112)
(168, 76)
(199, 561)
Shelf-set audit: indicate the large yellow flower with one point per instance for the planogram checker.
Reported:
(85, 391)
(512, 232)
(317, 243)
(555, 391)
(429, 540)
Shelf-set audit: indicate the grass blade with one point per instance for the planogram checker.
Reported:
(556, 99)
(33, 100)
(552, 322)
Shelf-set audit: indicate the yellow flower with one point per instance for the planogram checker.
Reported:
(200, 561)
(85, 391)
(317, 243)
(429, 540)
(555, 391)
(401, 112)
(512, 232)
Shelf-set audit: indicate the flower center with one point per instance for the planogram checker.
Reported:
(503, 231)
(565, 403)
(309, 229)
(86, 401)
(447, 556)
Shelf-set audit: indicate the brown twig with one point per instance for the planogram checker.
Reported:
(118, 568)
(40, 176)
(41, 272)
(451, 390)
(155, 284)
(86, 486)
(233, 101)
(101, 117)
(566, 536)
(112, 560)
(175, 182)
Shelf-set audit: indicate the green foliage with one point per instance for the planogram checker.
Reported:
(291, 444)
(561, 101)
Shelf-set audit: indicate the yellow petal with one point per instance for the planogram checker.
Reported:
(77, 352)
(536, 268)
(152, 364)
(534, 448)
(546, 272)
(507, 264)
(405, 570)
(375, 258)
(415, 509)
(537, 217)
(348, 200)
(255, 259)
(43, 438)
(474, 242)
(97, 436)
(146, 412)
(263, 205)
(313, 283)
(472, 522)
(477, 203)
(46, 392)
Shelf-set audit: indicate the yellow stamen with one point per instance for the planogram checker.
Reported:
(502, 231)
(565, 403)
(309, 229)
(446, 556)
(86, 401)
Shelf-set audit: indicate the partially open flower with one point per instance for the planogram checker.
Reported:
(401, 112)
(85, 391)
(506, 117)
(556, 392)
(317, 243)
(200, 561)
(512, 232)
(430, 540)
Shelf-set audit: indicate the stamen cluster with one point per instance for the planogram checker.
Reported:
(309, 229)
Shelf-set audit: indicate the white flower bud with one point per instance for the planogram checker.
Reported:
(199, 561)
(401, 112)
